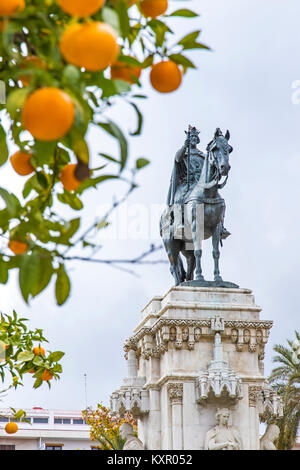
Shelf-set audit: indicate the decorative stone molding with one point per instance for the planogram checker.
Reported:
(217, 324)
(130, 399)
(253, 391)
(219, 380)
(175, 391)
(266, 400)
(168, 333)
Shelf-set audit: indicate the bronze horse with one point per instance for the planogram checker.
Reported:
(184, 227)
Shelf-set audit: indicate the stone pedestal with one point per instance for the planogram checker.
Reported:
(196, 350)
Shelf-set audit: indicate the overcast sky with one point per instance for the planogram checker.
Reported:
(244, 85)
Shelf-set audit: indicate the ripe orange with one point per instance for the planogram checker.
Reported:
(20, 162)
(31, 62)
(67, 44)
(90, 45)
(17, 247)
(46, 375)
(48, 114)
(10, 7)
(81, 8)
(68, 178)
(121, 71)
(165, 76)
(38, 351)
(11, 428)
(153, 8)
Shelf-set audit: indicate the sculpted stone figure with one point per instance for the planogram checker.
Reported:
(195, 210)
(132, 442)
(270, 436)
(223, 436)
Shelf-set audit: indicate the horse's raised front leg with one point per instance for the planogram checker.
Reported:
(216, 250)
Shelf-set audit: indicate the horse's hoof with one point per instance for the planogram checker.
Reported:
(200, 278)
(218, 279)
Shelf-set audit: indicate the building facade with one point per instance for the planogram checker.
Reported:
(46, 430)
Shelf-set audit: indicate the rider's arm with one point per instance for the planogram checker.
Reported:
(181, 153)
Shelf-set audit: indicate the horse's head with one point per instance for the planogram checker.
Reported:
(218, 152)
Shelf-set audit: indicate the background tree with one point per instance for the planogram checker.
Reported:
(104, 427)
(64, 64)
(285, 379)
(21, 353)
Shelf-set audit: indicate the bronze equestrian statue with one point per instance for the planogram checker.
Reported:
(195, 211)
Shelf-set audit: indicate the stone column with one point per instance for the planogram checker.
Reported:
(253, 390)
(175, 394)
(154, 421)
(132, 364)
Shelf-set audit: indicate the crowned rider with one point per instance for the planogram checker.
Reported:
(189, 161)
(187, 168)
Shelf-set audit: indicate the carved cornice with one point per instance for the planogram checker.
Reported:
(184, 333)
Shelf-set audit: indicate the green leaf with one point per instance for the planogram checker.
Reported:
(116, 132)
(182, 60)
(3, 146)
(109, 157)
(42, 179)
(16, 100)
(140, 120)
(141, 163)
(62, 285)
(37, 383)
(69, 229)
(111, 17)
(44, 152)
(13, 205)
(185, 13)
(29, 274)
(25, 356)
(55, 356)
(57, 368)
(3, 272)
(45, 272)
(122, 10)
(130, 61)
(80, 147)
(71, 200)
(189, 38)
(93, 182)
(37, 361)
(19, 414)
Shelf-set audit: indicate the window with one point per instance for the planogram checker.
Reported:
(78, 421)
(62, 420)
(54, 446)
(4, 419)
(40, 420)
(7, 447)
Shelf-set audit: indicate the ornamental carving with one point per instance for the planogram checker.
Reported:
(175, 391)
(180, 334)
(130, 399)
(266, 400)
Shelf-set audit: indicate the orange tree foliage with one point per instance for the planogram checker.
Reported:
(104, 426)
(56, 70)
(18, 348)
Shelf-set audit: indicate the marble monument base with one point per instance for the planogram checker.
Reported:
(196, 373)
